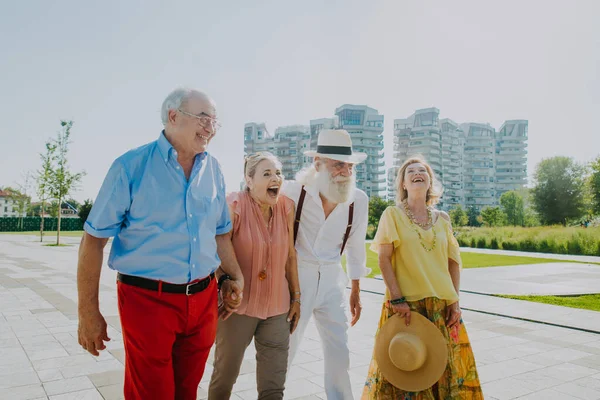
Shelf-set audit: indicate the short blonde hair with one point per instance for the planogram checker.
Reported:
(252, 161)
(433, 193)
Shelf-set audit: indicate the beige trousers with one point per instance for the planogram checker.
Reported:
(271, 338)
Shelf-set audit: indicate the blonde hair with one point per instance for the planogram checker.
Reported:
(252, 161)
(434, 193)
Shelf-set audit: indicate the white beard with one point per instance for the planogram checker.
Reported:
(337, 190)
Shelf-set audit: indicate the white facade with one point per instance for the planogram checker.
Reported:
(391, 183)
(453, 145)
(8, 206)
(289, 143)
(511, 156)
(365, 126)
(474, 163)
(479, 165)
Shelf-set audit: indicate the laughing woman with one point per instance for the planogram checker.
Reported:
(262, 237)
(420, 263)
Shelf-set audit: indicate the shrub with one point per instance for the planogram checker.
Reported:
(481, 243)
(573, 246)
(510, 245)
(473, 243)
(494, 243)
(527, 244)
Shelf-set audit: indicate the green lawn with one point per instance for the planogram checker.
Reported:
(470, 260)
(586, 302)
(47, 233)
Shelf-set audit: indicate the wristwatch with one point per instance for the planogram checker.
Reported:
(222, 279)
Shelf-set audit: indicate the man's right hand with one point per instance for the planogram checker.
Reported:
(92, 332)
(231, 294)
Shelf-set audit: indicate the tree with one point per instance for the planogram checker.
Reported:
(20, 201)
(62, 180)
(85, 209)
(376, 207)
(513, 207)
(458, 216)
(558, 191)
(594, 185)
(492, 216)
(473, 215)
(44, 180)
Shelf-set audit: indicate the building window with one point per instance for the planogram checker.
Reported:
(351, 117)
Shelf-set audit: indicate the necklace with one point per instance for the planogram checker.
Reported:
(414, 223)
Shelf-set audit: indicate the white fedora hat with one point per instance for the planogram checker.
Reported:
(337, 145)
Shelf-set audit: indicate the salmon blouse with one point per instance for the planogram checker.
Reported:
(260, 248)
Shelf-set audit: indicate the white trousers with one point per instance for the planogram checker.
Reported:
(323, 297)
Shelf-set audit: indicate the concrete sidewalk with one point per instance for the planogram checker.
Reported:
(40, 357)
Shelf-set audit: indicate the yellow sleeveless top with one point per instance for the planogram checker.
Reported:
(419, 273)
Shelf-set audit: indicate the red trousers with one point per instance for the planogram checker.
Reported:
(167, 340)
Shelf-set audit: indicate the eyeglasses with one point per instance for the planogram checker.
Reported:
(204, 120)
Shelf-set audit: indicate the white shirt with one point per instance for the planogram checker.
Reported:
(320, 240)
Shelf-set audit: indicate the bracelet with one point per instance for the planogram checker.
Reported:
(296, 301)
(397, 301)
(298, 293)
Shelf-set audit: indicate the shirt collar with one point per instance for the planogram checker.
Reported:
(166, 148)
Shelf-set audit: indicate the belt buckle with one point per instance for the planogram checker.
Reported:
(187, 289)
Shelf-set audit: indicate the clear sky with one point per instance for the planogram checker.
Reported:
(108, 66)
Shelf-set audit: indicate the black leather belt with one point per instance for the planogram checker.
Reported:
(150, 284)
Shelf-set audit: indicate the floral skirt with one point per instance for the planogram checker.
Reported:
(460, 379)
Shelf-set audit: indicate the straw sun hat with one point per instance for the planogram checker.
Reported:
(414, 357)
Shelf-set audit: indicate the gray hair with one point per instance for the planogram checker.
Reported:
(252, 161)
(178, 98)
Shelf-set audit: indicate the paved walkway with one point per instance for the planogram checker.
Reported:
(543, 279)
(40, 357)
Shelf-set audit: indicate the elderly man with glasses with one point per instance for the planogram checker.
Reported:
(164, 203)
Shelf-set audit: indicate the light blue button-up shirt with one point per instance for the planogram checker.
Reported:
(164, 224)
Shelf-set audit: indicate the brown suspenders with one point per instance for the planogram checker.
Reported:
(299, 213)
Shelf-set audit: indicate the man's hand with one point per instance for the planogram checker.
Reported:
(231, 295)
(355, 306)
(92, 332)
(293, 316)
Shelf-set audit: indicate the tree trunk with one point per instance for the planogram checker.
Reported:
(42, 225)
(58, 226)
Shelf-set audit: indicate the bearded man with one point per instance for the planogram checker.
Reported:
(331, 216)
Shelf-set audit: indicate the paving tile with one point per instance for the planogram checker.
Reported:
(567, 372)
(18, 379)
(90, 394)
(578, 391)
(548, 394)
(505, 369)
(113, 392)
(554, 357)
(108, 378)
(68, 385)
(28, 392)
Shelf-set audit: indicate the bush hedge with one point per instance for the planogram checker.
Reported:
(28, 224)
(550, 239)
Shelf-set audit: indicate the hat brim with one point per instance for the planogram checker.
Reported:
(435, 361)
(354, 158)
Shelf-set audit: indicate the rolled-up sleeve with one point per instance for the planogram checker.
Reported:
(112, 204)
(224, 222)
(356, 253)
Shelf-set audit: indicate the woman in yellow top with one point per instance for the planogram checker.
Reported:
(420, 262)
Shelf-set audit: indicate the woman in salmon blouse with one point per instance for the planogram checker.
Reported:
(262, 237)
(420, 263)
